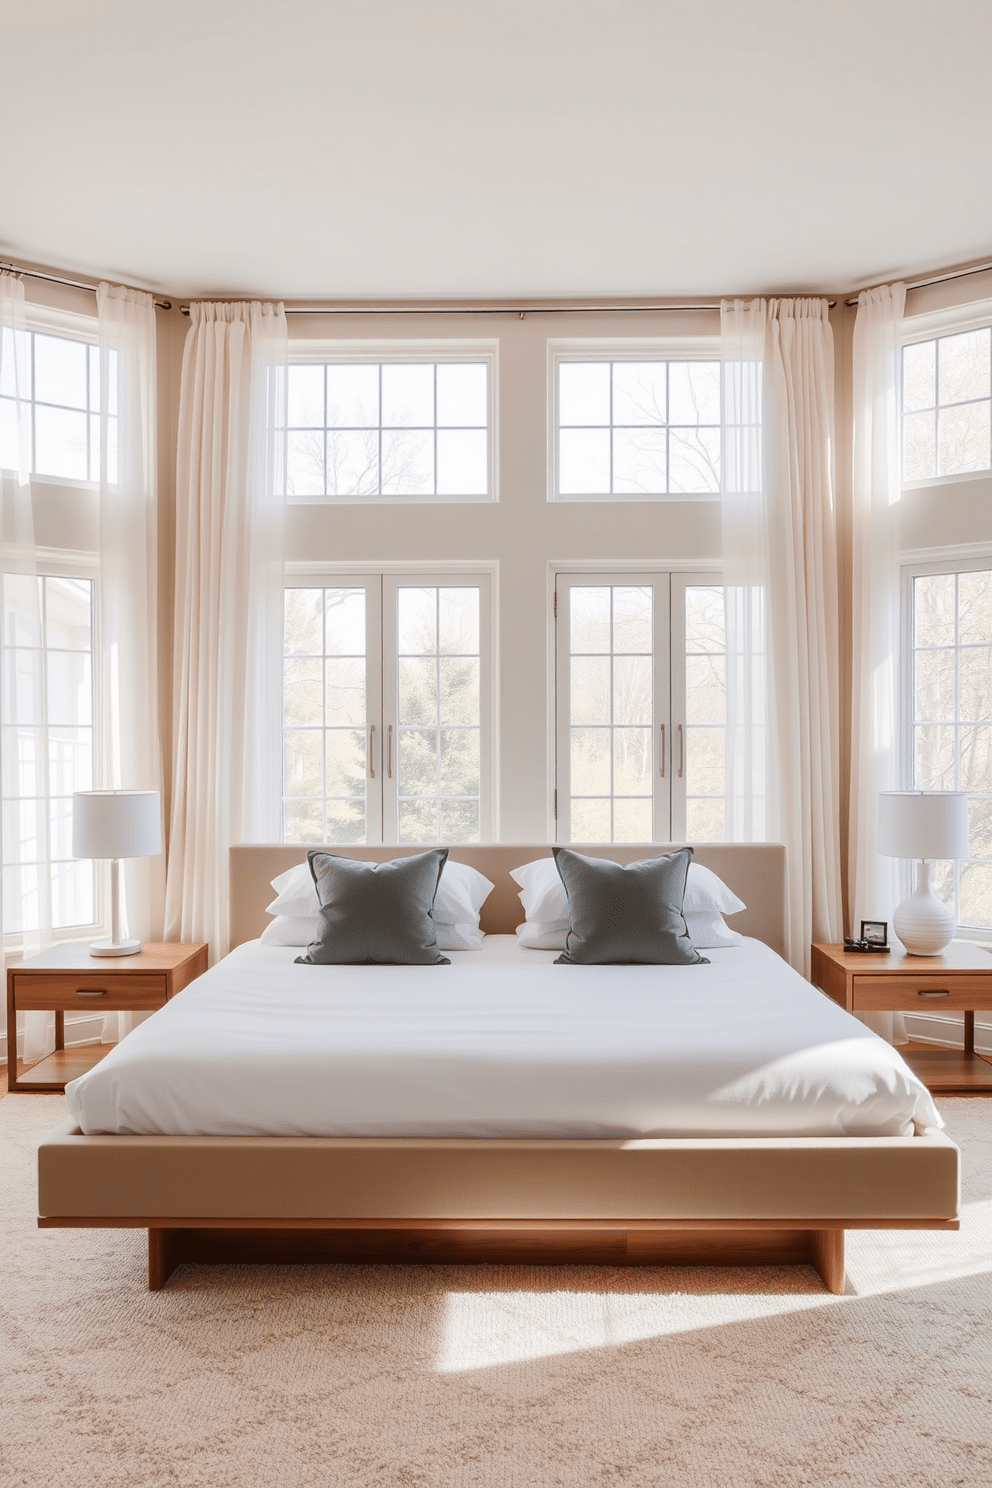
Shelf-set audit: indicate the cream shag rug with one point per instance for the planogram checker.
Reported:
(492, 1377)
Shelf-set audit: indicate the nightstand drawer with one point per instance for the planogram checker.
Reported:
(904, 992)
(87, 989)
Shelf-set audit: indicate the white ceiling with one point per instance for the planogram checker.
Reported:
(495, 148)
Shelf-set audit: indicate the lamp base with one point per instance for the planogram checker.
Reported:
(114, 947)
(922, 922)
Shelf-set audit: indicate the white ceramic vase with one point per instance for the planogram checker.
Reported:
(922, 922)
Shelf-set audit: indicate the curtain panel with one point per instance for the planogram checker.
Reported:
(229, 577)
(781, 594)
(129, 750)
(875, 884)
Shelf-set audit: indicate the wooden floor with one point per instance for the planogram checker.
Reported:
(947, 1071)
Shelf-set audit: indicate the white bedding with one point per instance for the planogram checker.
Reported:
(502, 1043)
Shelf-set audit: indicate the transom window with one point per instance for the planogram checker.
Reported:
(952, 721)
(60, 397)
(403, 430)
(947, 410)
(636, 429)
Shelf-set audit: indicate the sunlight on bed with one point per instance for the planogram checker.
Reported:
(483, 1329)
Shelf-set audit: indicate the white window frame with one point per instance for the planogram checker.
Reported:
(68, 325)
(685, 349)
(953, 561)
(669, 584)
(975, 316)
(381, 582)
(320, 353)
(54, 563)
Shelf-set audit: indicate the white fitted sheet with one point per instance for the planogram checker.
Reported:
(502, 1043)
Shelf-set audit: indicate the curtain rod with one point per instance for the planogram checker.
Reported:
(71, 283)
(521, 310)
(937, 279)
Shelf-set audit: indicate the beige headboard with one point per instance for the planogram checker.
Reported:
(754, 870)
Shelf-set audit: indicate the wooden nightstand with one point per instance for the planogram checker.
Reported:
(959, 978)
(68, 978)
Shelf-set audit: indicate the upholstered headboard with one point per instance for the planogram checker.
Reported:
(754, 870)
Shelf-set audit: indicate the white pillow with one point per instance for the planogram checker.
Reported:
(705, 891)
(286, 931)
(543, 935)
(461, 893)
(296, 893)
(543, 893)
(464, 937)
(707, 929)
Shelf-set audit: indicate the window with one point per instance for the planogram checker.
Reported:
(635, 428)
(47, 750)
(641, 708)
(61, 398)
(947, 411)
(413, 430)
(386, 710)
(951, 714)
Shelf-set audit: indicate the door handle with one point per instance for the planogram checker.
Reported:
(372, 752)
(662, 751)
(389, 751)
(933, 992)
(681, 752)
(91, 991)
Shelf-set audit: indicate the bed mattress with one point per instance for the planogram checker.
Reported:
(501, 1043)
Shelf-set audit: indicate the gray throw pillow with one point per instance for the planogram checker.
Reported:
(631, 913)
(376, 913)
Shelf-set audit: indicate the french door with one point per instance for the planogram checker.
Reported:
(387, 709)
(640, 707)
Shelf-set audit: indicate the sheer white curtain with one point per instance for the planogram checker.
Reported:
(129, 743)
(26, 903)
(780, 576)
(229, 572)
(874, 883)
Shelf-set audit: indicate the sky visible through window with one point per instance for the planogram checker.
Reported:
(60, 400)
(947, 410)
(389, 430)
(638, 428)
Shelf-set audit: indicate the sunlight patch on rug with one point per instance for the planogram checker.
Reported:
(483, 1329)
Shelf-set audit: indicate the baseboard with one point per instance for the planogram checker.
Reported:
(948, 1028)
(85, 1029)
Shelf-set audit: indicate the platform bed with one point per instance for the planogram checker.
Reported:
(659, 1201)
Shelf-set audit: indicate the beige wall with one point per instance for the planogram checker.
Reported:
(524, 534)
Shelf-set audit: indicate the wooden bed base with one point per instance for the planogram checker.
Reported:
(430, 1242)
(672, 1201)
(582, 1242)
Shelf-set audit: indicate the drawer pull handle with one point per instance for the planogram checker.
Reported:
(934, 992)
(91, 991)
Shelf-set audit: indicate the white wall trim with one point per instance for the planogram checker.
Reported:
(975, 553)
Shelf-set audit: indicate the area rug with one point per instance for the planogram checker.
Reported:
(495, 1376)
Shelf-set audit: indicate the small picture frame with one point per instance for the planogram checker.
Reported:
(875, 932)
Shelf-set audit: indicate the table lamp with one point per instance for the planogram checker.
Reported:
(923, 825)
(115, 825)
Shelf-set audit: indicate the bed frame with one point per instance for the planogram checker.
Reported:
(672, 1201)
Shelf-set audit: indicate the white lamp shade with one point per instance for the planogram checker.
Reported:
(923, 824)
(116, 824)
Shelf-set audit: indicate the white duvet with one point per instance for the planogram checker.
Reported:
(502, 1043)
